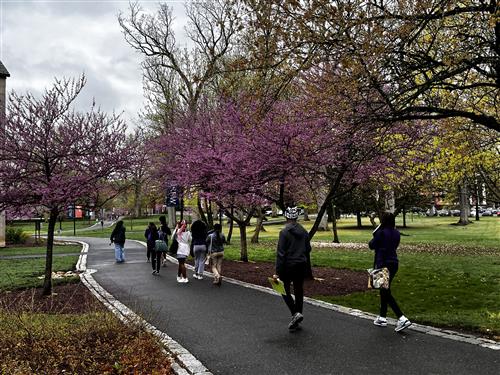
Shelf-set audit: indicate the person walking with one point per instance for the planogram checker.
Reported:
(151, 234)
(199, 234)
(118, 238)
(385, 242)
(164, 232)
(215, 244)
(293, 251)
(183, 238)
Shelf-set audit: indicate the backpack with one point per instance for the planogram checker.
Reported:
(161, 235)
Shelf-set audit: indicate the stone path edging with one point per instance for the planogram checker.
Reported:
(183, 362)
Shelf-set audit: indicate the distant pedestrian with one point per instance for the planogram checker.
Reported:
(118, 238)
(215, 244)
(165, 230)
(102, 224)
(291, 263)
(151, 234)
(183, 237)
(385, 241)
(199, 234)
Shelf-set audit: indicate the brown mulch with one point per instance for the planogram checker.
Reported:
(327, 281)
(65, 299)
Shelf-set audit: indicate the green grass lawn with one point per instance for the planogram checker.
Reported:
(39, 250)
(23, 273)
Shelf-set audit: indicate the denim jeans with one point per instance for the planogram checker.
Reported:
(119, 253)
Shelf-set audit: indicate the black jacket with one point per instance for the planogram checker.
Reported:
(118, 236)
(293, 247)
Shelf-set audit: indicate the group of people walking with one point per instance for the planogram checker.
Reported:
(198, 242)
(292, 257)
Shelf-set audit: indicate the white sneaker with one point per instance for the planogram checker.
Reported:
(186, 280)
(296, 319)
(380, 321)
(403, 323)
(179, 279)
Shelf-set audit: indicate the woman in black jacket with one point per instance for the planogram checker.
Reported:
(151, 234)
(385, 241)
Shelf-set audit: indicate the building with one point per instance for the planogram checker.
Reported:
(3, 103)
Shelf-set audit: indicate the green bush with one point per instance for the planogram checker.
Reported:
(15, 235)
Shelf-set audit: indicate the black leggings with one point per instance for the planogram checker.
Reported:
(294, 274)
(156, 257)
(386, 298)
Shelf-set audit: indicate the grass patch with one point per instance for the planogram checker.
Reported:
(23, 273)
(40, 250)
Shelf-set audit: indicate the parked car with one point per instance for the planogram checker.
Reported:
(488, 212)
(444, 212)
(455, 212)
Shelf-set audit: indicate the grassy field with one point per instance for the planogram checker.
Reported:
(23, 273)
(39, 250)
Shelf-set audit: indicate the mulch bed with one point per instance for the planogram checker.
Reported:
(327, 281)
(65, 299)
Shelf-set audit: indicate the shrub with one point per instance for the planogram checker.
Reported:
(15, 235)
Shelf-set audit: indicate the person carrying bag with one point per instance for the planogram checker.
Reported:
(385, 241)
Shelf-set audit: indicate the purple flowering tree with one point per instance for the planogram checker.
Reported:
(52, 157)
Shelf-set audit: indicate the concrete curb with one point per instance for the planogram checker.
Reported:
(183, 362)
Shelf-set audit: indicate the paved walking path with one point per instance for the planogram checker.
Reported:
(238, 330)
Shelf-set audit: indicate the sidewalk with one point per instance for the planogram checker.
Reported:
(238, 330)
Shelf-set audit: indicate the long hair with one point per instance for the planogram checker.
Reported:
(388, 220)
(217, 230)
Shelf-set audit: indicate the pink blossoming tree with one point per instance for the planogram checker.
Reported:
(54, 157)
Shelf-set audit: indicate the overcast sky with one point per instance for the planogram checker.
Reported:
(40, 40)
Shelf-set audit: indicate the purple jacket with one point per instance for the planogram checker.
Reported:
(385, 242)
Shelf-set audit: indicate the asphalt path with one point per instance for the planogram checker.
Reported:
(236, 330)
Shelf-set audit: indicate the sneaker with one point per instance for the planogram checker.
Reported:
(153, 273)
(164, 263)
(186, 280)
(179, 279)
(403, 323)
(296, 319)
(380, 321)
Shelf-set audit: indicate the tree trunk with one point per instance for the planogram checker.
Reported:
(47, 283)
(323, 217)
(243, 241)
(358, 219)
(137, 200)
(464, 205)
(389, 201)
(259, 227)
(334, 225)
(306, 214)
(231, 226)
(274, 209)
(404, 217)
(477, 201)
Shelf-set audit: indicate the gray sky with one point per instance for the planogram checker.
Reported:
(40, 40)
